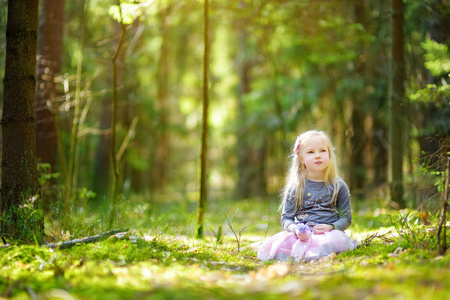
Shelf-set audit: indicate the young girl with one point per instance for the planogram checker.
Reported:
(315, 207)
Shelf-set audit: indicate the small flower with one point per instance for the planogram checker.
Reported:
(302, 228)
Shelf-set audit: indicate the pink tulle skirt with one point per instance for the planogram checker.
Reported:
(286, 246)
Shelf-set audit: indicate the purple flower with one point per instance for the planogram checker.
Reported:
(302, 228)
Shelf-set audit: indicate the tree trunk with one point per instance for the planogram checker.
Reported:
(47, 69)
(357, 146)
(380, 150)
(102, 164)
(116, 195)
(396, 108)
(71, 178)
(379, 134)
(203, 159)
(19, 168)
(163, 134)
(243, 147)
(441, 233)
(124, 115)
(251, 150)
(357, 140)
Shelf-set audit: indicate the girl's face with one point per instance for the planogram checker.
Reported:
(315, 156)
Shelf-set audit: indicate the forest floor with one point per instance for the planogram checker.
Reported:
(159, 258)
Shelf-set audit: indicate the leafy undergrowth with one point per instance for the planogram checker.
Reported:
(396, 259)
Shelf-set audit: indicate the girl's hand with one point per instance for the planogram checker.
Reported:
(303, 237)
(302, 231)
(322, 228)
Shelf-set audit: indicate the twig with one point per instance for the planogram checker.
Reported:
(369, 239)
(229, 220)
(31, 292)
(127, 139)
(85, 240)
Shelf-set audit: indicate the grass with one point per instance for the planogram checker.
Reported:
(159, 258)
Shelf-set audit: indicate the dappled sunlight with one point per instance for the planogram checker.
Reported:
(145, 262)
(145, 146)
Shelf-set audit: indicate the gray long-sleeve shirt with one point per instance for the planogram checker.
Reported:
(317, 207)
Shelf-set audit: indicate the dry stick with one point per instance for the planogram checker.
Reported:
(85, 240)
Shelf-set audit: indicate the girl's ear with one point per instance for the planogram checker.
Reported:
(300, 158)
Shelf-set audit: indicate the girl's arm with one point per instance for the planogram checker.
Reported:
(343, 208)
(288, 213)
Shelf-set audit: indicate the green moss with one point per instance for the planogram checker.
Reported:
(165, 264)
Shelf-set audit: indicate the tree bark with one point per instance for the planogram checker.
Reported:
(396, 108)
(19, 167)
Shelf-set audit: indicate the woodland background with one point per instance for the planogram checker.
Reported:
(275, 69)
(145, 144)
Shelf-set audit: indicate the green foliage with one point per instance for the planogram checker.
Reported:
(23, 223)
(129, 11)
(45, 177)
(411, 232)
(435, 171)
(87, 195)
(437, 57)
(437, 61)
(433, 93)
(434, 98)
(302, 58)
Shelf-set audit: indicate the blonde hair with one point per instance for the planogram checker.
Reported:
(296, 178)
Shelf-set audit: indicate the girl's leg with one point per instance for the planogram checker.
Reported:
(334, 241)
(278, 246)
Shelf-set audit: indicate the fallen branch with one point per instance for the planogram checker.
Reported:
(368, 239)
(85, 240)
